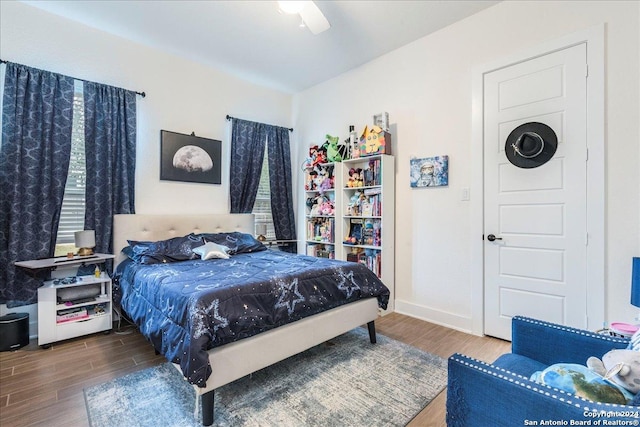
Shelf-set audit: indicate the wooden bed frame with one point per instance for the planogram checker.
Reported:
(236, 360)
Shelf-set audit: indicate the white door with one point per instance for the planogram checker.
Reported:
(538, 268)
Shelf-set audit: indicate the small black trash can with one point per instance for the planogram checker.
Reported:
(14, 331)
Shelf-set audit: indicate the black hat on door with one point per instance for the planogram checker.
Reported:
(531, 145)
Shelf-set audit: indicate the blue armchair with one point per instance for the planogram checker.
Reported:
(500, 394)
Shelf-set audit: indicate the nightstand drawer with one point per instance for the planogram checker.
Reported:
(73, 329)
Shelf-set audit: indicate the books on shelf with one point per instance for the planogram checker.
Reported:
(320, 250)
(367, 202)
(372, 258)
(71, 314)
(79, 313)
(364, 231)
(372, 173)
(320, 230)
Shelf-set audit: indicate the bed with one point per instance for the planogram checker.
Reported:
(229, 361)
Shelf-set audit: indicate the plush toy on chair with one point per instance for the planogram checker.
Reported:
(619, 366)
(613, 379)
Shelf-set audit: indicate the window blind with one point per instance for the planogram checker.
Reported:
(73, 204)
(262, 205)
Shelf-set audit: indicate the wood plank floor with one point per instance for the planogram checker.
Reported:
(44, 387)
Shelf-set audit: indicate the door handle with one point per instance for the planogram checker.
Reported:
(492, 237)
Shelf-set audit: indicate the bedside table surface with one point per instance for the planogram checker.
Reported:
(37, 264)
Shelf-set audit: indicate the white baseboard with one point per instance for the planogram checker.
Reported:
(453, 321)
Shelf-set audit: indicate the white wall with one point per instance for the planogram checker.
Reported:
(182, 96)
(426, 88)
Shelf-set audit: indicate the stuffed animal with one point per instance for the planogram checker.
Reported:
(310, 202)
(313, 158)
(315, 205)
(326, 208)
(325, 179)
(355, 178)
(353, 208)
(331, 145)
(621, 367)
(321, 155)
(312, 180)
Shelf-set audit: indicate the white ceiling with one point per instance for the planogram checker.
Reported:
(253, 41)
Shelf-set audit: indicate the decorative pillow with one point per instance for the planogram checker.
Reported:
(212, 250)
(634, 344)
(170, 250)
(237, 242)
(581, 381)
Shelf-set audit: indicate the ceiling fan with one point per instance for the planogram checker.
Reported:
(311, 15)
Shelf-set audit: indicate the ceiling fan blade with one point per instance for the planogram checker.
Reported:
(313, 18)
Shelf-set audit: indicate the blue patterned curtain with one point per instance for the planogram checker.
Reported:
(279, 155)
(247, 152)
(37, 119)
(110, 147)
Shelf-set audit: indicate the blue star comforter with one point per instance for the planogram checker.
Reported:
(186, 308)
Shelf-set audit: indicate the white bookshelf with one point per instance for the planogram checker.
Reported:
(322, 231)
(376, 248)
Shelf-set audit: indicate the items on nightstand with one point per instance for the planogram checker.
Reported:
(68, 306)
(85, 241)
(261, 230)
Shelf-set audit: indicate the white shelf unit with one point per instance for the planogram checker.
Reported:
(49, 330)
(322, 231)
(99, 309)
(376, 245)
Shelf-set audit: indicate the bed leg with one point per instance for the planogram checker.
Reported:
(372, 332)
(207, 408)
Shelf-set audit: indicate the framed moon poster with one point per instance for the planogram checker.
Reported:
(189, 158)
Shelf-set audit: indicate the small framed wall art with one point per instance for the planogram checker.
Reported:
(429, 171)
(190, 158)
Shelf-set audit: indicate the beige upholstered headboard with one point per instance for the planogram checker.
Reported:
(161, 227)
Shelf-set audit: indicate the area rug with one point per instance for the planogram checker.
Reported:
(346, 381)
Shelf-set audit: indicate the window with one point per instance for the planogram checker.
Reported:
(262, 205)
(73, 203)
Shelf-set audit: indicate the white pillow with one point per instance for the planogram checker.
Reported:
(212, 250)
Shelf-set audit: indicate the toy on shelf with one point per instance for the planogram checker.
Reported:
(375, 141)
(327, 208)
(355, 178)
(320, 205)
(335, 152)
(319, 178)
(353, 208)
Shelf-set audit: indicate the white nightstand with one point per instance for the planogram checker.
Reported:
(68, 310)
